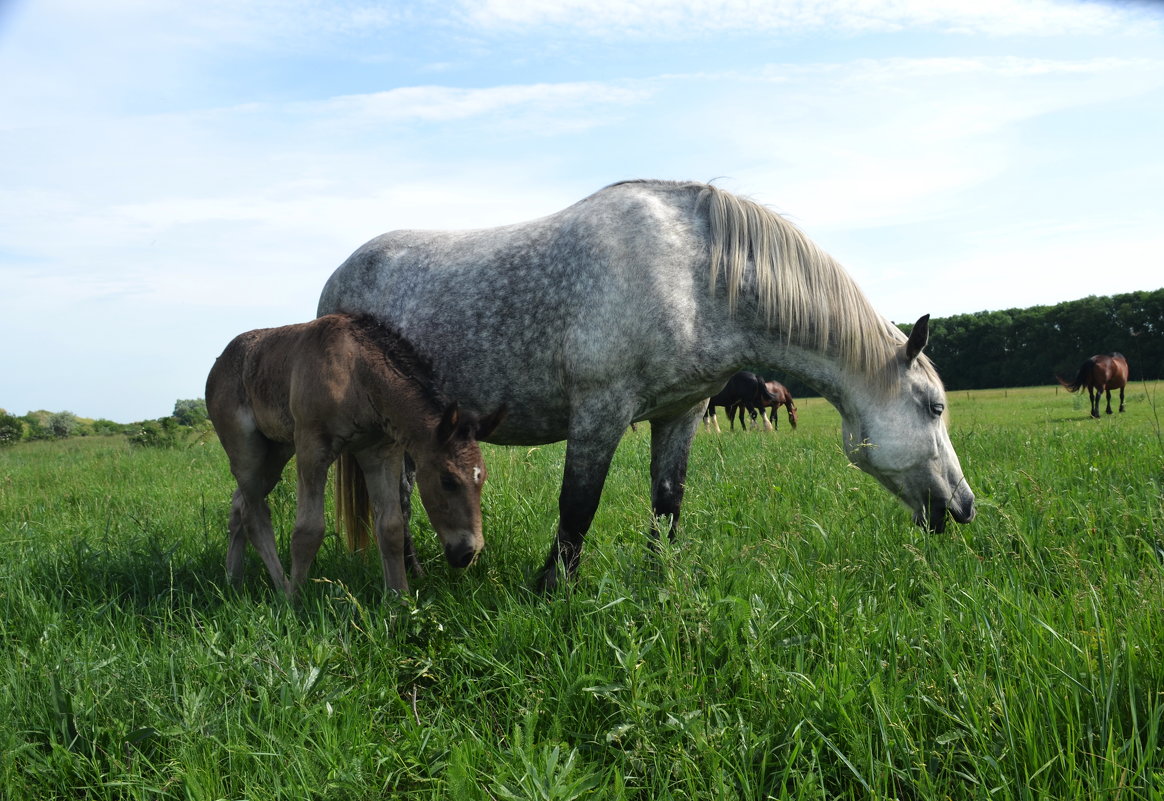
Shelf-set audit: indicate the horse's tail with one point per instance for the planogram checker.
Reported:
(353, 507)
(1080, 378)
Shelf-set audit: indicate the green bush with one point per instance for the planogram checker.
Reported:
(164, 432)
(11, 429)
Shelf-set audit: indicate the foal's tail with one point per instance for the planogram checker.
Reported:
(353, 507)
(1080, 377)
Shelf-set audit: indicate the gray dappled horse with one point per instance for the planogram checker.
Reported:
(637, 303)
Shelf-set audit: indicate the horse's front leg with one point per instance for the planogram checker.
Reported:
(592, 441)
(670, 448)
(383, 475)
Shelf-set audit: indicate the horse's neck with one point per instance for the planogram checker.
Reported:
(399, 399)
(823, 373)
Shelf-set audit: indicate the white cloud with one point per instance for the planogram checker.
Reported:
(691, 18)
(446, 104)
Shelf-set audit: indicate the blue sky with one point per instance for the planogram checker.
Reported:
(175, 173)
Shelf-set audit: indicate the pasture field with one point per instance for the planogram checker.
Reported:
(800, 640)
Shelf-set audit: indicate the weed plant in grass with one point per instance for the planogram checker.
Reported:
(800, 640)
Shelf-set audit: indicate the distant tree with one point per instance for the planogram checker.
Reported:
(63, 425)
(36, 425)
(190, 412)
(161, 433)
(11, 429)
(103, 427)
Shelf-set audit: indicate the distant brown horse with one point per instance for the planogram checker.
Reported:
(1100, 374)
(780, 397)
(342, 385)
(742, 391)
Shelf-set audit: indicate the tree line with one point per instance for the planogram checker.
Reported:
(1030, 347)
(983, 350)
(188, 416)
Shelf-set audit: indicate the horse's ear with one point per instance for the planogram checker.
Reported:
(917, 338)
(489, 424)
(448, 424)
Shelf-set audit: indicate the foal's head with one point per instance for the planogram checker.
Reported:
(450, 473)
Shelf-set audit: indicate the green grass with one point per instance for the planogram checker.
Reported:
(799, 640)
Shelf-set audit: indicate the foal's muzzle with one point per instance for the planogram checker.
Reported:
(460, 554)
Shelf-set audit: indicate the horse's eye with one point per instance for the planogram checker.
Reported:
(449, 482)
(937, 409)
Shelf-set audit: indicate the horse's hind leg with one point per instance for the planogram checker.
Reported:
(711, 419)
(1093, 396)
(257, 467)
(670, 448)
(1108, 391)
(1121, 399)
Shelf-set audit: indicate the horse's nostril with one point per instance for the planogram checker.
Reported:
(460, 554)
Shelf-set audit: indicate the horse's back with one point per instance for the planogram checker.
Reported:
(270, 376)
(597, 297)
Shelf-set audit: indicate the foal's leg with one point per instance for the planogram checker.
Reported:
(257, 465)
(313, 458)
(670, 447)
(382, 471)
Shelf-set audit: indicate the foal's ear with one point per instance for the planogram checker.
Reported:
(487, 425)
(917, 338)
(448, 424)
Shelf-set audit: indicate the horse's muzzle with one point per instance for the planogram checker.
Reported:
(960, 507)
(460, 554)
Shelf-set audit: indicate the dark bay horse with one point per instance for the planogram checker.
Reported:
(743, 391)
(780, 397)
(342, 385)
(1100, 374)
(638, 303)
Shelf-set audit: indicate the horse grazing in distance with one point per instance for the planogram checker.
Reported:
(1100, 374)
(342, 385)
(743, 391)
(780, 397)
(638, 303)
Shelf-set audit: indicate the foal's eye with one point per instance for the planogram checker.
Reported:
(449, 482)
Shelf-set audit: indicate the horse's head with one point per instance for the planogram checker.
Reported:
(902, 441)
(450, 473)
